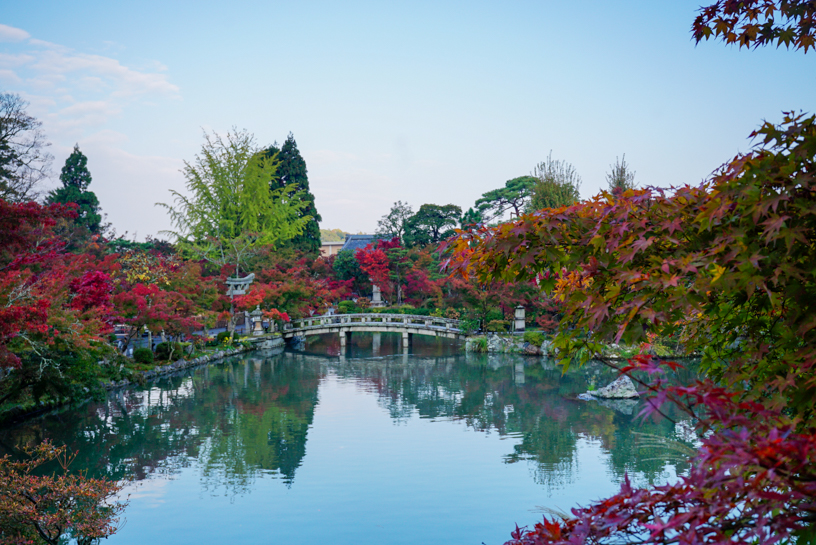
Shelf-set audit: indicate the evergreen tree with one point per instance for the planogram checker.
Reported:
(292, 170)
(514, 196)
(76, 178)
(75, 173)
(431, 224)
(621, 177)
(229, 211)
(471, 218)
(557, 184)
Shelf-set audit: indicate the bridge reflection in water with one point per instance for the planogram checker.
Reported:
(441, 444)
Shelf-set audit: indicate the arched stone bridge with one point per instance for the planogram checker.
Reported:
(346, 324)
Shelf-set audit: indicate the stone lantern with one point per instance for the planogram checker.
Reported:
(257, 321)
(376, 297)
(518, 323)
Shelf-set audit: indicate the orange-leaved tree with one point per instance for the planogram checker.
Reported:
(49, 508)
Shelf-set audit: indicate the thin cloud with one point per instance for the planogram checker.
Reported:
(8, 77)
(126, 81)
(11, 34)
(74, 92)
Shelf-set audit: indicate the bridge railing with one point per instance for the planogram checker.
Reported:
(376, 318)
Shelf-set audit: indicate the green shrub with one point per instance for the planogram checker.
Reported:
(143, 355)
(536, 338)
(493, 315)
(469, 326)
(347, 307)
(169, 351)
(479, 345)
(498, 326)
(223, 338)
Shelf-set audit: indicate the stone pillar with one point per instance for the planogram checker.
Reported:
(519, 373)
(375, 343)
(247, 324)
(519, 319)
(257, 365)
(406, 340)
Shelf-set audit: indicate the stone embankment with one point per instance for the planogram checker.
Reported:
(512, 344)
(175, 367)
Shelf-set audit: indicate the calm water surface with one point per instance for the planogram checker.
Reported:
(372, 447)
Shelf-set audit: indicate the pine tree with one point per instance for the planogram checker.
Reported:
(292, 170)
(76, 178)
(621, 177)
(75, 173)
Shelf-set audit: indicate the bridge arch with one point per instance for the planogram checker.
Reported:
(346, 324)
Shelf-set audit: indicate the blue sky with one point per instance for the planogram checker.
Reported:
(424, 102)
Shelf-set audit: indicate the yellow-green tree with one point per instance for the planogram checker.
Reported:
(229, 209)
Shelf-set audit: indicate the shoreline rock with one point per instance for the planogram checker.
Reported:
(621, 388)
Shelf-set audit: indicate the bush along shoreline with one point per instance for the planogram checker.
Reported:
(536, 343)
(126, 373)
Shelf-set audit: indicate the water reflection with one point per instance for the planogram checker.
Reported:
(251, 416)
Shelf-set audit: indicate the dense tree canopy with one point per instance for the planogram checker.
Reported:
(726, 267)
(292, 173)
(431, 224)
(471, 218)
(230, 208)
(55, 307)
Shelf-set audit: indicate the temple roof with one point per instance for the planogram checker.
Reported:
(355, 242)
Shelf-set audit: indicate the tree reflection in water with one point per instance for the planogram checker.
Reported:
(250, 417)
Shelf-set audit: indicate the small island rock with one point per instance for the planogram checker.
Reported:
(621, 388)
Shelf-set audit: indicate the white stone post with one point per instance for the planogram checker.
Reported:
(519, 319)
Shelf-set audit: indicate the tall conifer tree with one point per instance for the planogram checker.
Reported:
(76, 178)
(292, 170)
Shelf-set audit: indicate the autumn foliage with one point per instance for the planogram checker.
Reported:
(726, 266)
(44, 509)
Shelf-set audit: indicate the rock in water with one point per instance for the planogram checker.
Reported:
(586, 397)
(622, 388)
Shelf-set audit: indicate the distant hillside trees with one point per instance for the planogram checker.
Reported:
(332, 235)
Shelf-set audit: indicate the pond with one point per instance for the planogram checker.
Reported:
(376, 446)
